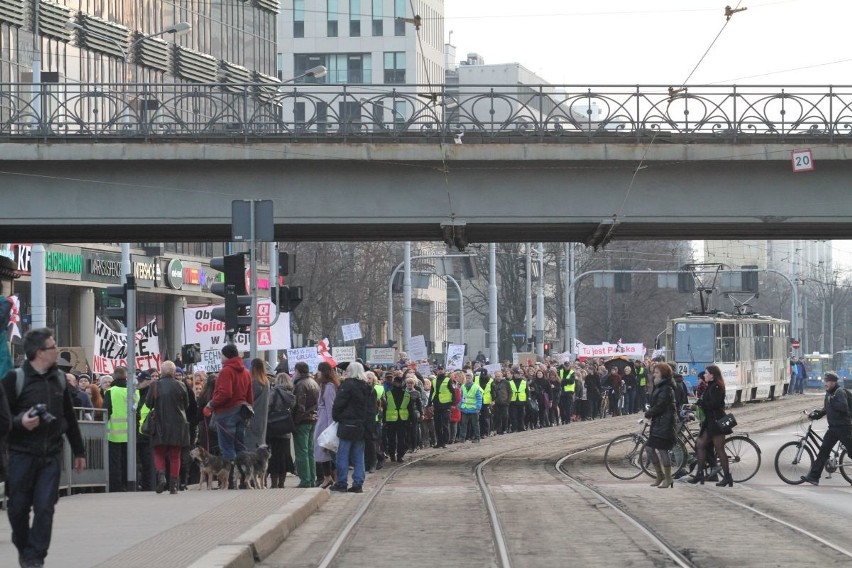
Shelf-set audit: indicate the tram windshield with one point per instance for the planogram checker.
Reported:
(693, 342)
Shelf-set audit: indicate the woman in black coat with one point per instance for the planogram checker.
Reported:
(663, 433)
(712, 402)
(350, 411)
(169, 400)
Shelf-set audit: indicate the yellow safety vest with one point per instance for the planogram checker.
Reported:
(380, 391)
(469, 396)
(518, 394)
(117, 426)
(443, 392)
(394, 414)
(145, 411)
(642, 376)
(486, 392)
(569, 387)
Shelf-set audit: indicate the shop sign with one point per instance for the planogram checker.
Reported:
(23, 257)
(174, 274)
(147, 271)
(63, 262)
(102, 267)
(193, 276)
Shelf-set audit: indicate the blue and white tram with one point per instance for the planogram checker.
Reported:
(751, 350)
(843, 366)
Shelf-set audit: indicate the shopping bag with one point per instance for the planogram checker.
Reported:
(328, 438)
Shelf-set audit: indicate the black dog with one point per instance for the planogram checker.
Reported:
(252, 467)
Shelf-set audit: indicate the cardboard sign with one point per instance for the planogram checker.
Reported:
(307, 354)
(344, 353)
(351, 332)
(455, 357)
(417, 348)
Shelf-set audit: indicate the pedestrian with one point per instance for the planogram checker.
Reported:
(256, 430)
(232, 392)
(593, 392)
(115, 403)
(502, 398)
(663, 430)
(40, 412)
(518, 400)
(471, 403)
(413, 434)
(486, 384)
(568, 382)
(329, 384)
(712, 402)
(443, 394)
(374, 457)
(631, 385)
(169, 400)
(399, 411)
(798, 376)
(555, 391)
(279, 428)
(455, 411)
(427, 425)
(283, 365)
(307, 394)
(205, 439)
(188, 465)
(836, 409)
(542, 389)
(353, 407)
(147, 479)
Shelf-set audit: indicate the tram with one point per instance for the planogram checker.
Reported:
(752, 352)
(816, 365)
(843, 366)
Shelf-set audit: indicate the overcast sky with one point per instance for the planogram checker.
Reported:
(597, 42)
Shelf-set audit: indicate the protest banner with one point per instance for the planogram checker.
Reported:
(455, 357)
(307, 354)
(417, 348)
(351, 332)
(493, 368)
(343, 353)
(209, 361)
(111, 348)
(200, 327)
(381, 355)
(633, 350)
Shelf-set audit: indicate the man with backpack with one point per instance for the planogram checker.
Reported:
(41, 409)
(838, 409)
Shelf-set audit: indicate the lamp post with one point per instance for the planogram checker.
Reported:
(317, 72)
(539, 305)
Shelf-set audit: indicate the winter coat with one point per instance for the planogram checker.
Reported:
(593, 386)
(353, 403)
(328, 393)
(662, 411)
(233, 386)
(256, 431)
(836, 409)
(169, 400)
(681, 392)
(455, 411)
(712, 402)
(502, 392)
(307, 394)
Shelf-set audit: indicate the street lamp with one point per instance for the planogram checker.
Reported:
(317, 72)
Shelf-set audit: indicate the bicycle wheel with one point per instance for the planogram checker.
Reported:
(623, 456)
(743, 457)
(677, 456)
(788, 467)
(845, 466)
(604, 406)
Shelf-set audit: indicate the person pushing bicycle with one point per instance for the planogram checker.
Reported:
(836, 409)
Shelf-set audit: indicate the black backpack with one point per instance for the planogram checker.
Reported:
(280, 418)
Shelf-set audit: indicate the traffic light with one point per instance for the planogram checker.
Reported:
(685, 283)
(288, 298)
(286, 263)
(118, 313)
(623, 282)
(547, 347)
(235, 313)
(233, 267)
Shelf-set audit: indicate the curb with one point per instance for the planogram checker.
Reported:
(263, 538)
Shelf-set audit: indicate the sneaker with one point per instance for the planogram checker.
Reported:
(811, 480)
(338, 488)
(355, 489)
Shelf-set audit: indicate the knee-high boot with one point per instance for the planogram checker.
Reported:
(660, 477)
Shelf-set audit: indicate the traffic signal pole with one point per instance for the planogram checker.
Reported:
(131, 383)
(253, 285)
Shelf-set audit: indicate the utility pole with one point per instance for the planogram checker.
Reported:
(529, 321)
(406, 297)
(539, 311)
(492, 302)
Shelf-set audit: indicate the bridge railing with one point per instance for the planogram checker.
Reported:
(411, 113)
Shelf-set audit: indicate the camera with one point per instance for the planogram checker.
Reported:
(40, 410)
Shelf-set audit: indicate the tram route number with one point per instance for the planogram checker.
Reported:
(803, 161)
(683, 369)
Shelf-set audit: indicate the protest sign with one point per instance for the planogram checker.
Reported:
(200, 327)
(307, 354)
(111, 348)
(343, 353)
(417, 348)
(455, 357)
(352, 332)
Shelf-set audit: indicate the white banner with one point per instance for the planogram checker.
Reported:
(425, 369)
(562, 357)
(307, 354)
(111, 348)
(493, 368)
(210, 361)
(417, 349)
(344, 353)
(381, 355)
(635, 350)
(200, 327)
(455, 357)
(352, 332)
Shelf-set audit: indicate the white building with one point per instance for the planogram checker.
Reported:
(813, 258)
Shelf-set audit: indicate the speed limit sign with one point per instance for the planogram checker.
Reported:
(803, 161)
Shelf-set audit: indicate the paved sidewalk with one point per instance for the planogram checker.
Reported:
(126, 530)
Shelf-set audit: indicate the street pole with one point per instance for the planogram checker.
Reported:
(406, 297)
(253, 283)
(131, 381)
(461, 306)
(529, 321)
(38, 294)
(492, 302)
(568, 347)
(539, 305)
(794, 318)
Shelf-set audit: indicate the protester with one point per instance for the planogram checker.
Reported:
(169, 400)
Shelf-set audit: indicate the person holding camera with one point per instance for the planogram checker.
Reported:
(41, 410)
(836, 409)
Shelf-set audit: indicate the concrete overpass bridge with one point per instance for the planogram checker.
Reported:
(467, 164)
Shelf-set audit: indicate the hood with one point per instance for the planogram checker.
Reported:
(235, 363)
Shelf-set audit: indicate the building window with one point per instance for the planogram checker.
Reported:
(298, 18)
(303, 62)
(355, 18)
(394, 67)
(332, 18)
(378, 24)
(399, 13)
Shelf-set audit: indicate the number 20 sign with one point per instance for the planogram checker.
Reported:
(803, 161)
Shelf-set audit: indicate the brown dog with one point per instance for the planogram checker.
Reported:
(211, 467)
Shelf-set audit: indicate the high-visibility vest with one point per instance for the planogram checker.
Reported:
(519, 394)
(469, 396)
(117, 426)
(443, 392)
(486, 392)
(642, 376)
(380, 392)
(569, 387)
(394, 414)
(145, 411)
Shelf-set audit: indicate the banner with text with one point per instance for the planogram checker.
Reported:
(634, 350)
(343, 353)
(455, 357)
(200, 327)
(307, 354)
(381, 355)
(351, 332)
(209, 362)
(111, 348)
(417, 348)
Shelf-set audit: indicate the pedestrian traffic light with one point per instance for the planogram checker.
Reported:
(118, 313)
(288, 298)
(286, 263)
(233, 267)
(235, 313)
(547, 347)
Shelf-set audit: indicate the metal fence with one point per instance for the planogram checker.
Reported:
(92, 424)
(412, 113)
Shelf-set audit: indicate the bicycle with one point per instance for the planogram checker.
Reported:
(744, 455)
(794, 459)
(625, 456)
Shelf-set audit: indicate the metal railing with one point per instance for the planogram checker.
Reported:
(410, 113)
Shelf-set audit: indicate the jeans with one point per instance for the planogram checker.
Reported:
(32, 483)
(395, 433)
(305, 465)
(469, 421)
(630, 401)
(350, 451)
(485, 420)
(232, 433)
